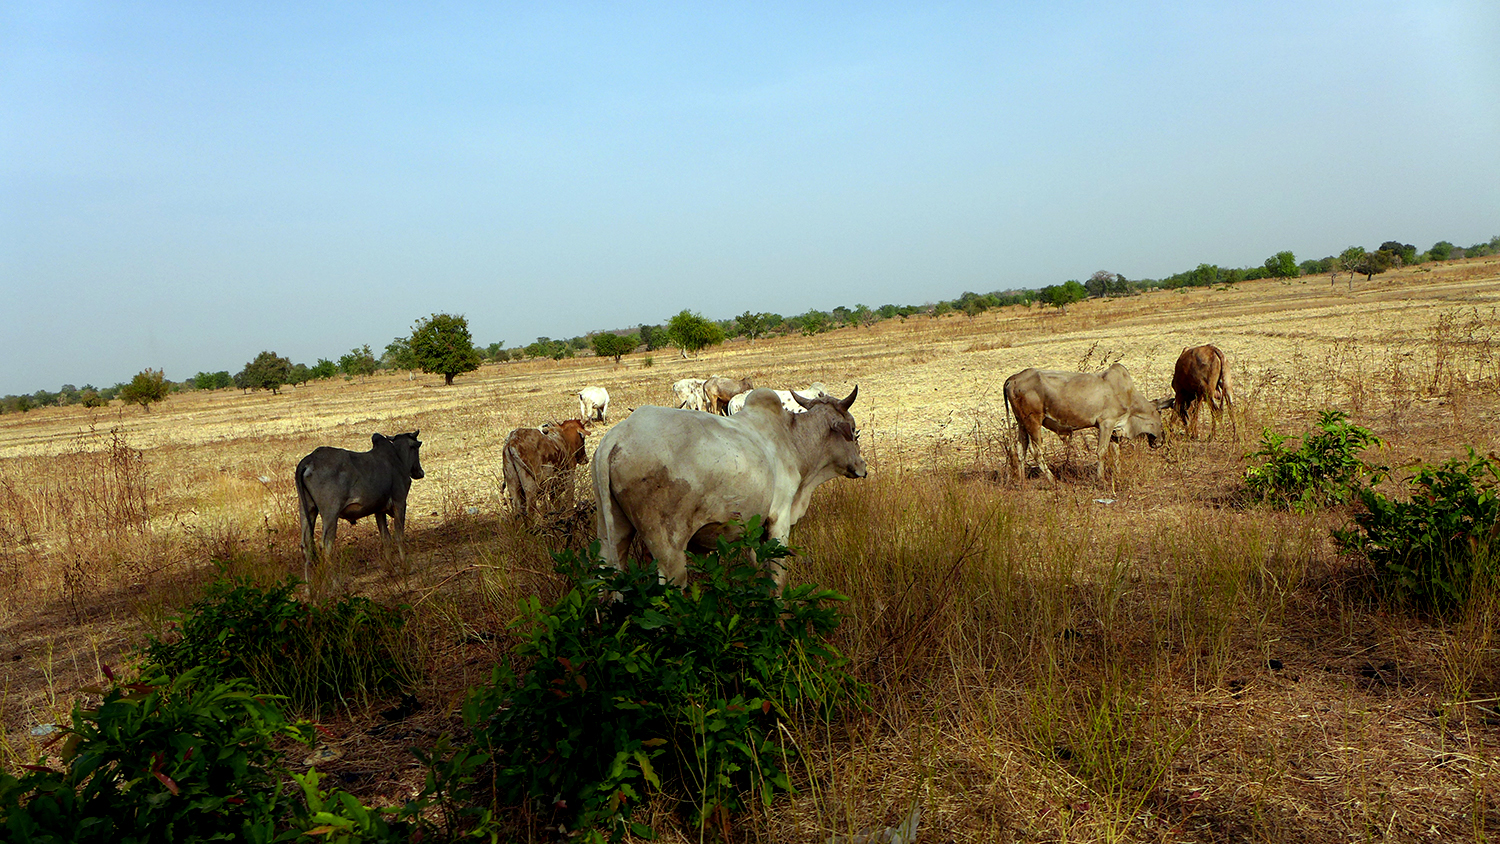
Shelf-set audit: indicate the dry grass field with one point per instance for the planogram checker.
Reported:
(1160, 662)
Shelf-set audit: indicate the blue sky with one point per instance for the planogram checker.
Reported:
(185, 185)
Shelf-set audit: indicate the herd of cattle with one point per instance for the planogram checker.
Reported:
(674, 479)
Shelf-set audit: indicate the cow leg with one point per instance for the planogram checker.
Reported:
(309, 548)
(385, 535)
(330, 532)
(399, 518)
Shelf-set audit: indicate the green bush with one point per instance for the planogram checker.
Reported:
(161, 759)
(1325, 469)
(677, 689)
(315, 655)
(1437, 548)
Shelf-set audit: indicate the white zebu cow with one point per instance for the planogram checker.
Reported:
(811, 391)
(689, 392)
(593, 404)
(676, 479)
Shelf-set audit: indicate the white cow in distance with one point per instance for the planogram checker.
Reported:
(689, 392)
(811, 391)
(593, 404)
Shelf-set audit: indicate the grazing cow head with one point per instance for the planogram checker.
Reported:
(408, 451)
(841, 439)
(572, 433)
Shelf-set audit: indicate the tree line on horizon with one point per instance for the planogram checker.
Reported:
(441, 344)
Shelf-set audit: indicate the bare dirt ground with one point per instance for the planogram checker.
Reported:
(1413, 354)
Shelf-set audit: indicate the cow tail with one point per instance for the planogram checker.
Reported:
(305, 505)
(1224, 377)
(515, 472)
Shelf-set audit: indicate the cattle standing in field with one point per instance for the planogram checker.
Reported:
(718, 390)
(689, 392)
(1201, 375)
(341, 484)
(593, 404)
(533, 460)
(812, 391)
(676, 479)
(1065, 402)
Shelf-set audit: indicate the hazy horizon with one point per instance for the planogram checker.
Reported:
(184, 186)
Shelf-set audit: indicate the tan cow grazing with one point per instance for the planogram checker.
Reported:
(676, 479)
(718, 390)
(1201, 375)
(1065, 402)
(535, 460)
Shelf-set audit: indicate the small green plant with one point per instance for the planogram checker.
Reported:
(315, 655)
(678, 689)
(160, 759)
(1325, 469)
(648, 361)
(1437, 548)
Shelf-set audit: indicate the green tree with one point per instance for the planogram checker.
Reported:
(1371, 263)
(399, 355)
(269, 371)
(323, 369)
(692, 333)
(90, 397)
(212, 380)
(359, 363)
(1350, 257)
(1062, 295)
(1441, 250)
(443, 346)
(607, 345)
(147, 387)
(1405, 251)
(1283, 265)
(752, 326)
(301, 374)
(1098, 283)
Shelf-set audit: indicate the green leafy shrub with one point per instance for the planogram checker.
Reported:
(315, 655)
(678, 689)
(1437, 548)
(181, 759)
(1325, 469)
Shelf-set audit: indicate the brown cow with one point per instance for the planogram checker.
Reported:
(1202, 374)
(718, 390)
(1065, 402)
(536, 459)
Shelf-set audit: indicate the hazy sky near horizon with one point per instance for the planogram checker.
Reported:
(183, 185)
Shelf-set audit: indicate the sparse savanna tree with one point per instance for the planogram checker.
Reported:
(1283, 265)
(359, 363)
(752, 326)
(608, 345)
(269, 371)
(324, 369)
(1349, 258)
(442, 345)
(1371, 263)
(1099, 283)
(692, 333)
(146, 388)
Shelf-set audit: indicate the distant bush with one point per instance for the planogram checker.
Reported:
(1436, 549)
(146, 388)
(338, 653)
(673, 689)
(1325, 469)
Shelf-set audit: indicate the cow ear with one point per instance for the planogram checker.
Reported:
(848, 400)
(1164, 404)
(375, 439)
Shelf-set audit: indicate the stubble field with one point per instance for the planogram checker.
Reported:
(1051, 662)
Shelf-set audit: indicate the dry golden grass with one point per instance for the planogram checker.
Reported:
(1047, 666)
